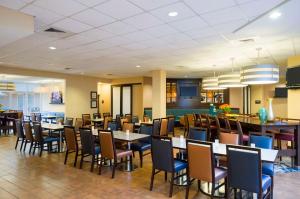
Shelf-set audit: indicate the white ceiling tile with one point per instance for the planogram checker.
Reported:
(135, 46)
(96, 34)
(42, 14)
(207, 6)
(118, 40)
(98, 45)
(65, 7)
(229, 27)
(143, 21)
(71, 25)
(119, 28)
(13, 4)
(119, 9)
(161, 30)
(189, 23)
(138, 36)
(223, 16)
(93, 18)
(178, 37)
(201, 32)
(152, 4)
(91, 3)
(183, 12)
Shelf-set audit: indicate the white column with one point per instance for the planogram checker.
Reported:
(158, 94)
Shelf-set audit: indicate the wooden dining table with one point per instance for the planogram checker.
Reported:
(254, 122)
(55, 127)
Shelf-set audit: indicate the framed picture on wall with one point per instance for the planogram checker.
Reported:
(93, 95)
(94, 103)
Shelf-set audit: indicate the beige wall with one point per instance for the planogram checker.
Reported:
(293, 94)
(137, 100)
(159, 94)
(236, 98)
(78, 88)
(147, 92)
(104, 90)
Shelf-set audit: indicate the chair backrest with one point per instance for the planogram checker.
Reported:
(186, 122)
(107, 119)
(191, 120)
(107, 144)
(78, 123)
(200, 160)
(244, 168)
(106, 114)
(71, 138)
(197, 133)
(69, 121)
(118, 120)
(163, 127)
(171, 121)
(128, 117)
(135, 119)
(19, 128)
(87, 141)
(32, 116)
(60, 120)
(112, 126)
(162, 153)
(229, 138)
(261, 141)
(28, 131)
(146, 129)
(37, 128)
(38, 117)
(86, 119)
(96, 115)
(156, 127)
(240, 131)
(227, 123)
(146, 118)
(128, 126)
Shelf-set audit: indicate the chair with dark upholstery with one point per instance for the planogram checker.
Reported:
(28, 135)
(144, 144)
(20, 133)
(245, 173)
(171, 123)
(69, 121)
(86, 120)
(163, 160)
(88, 147)
(118, 121)
(109, 151)
(40, 141)
(201, 166)
(197, 133)
(71, 142)
(156, 127)
(112, 126)
(135, 119)
(163, 127)
(264, 142)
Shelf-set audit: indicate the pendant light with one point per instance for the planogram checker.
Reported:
(211, 83)
(260, 73)
(232, 79)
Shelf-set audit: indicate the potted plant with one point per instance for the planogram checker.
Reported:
(1, 105)
(226, 108)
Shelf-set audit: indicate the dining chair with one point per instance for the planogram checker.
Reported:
(156, 127)
(38, 117)
(135, 119)
(106, 120)
(163, 127)
(78, 124)
(20, 133)
(96, 115)
(28, 135)
(86, 120)
(69, 121)
(171, 123)
(146, 118)
(71, 142)
(106, 114)
(201, 166)
(265, 142)
(197, 133)
(191, 120)
(229, 138)
(163, 160)
(245, 173)
(128, 127)
(32, 117)
(186, 125)
(112, 126)
(118, 121)
(244, 139)
(144, 144)
(109, 151)
(88, 147)
(40, 140)
(128, 117)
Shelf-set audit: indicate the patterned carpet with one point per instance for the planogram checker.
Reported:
(285, 167)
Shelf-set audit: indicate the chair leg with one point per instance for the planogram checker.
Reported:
(17, 143)
(272, 187)
(199, 185)
(212, 190)
(75, 161)
(171, 185)
(66, 157)
(41, 150)
(81, 161)
(166, 176)
(22, 144)
(34, 147)
(141, 158)
(25, 145)
(30, 147)
(92, 163)
(101, 160)
(152, 179)
(187, 188)
(114, 169)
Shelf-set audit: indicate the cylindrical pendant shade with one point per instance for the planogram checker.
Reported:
(211, 83)
(230, 80)
(260, 74)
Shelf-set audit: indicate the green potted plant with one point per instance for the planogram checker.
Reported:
(1, 111)
(226, 108)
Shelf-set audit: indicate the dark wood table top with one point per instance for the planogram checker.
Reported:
(256, 121)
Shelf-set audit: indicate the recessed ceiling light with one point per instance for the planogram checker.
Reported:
(138, 66)
(52, 47)
(68, 68)
(173, 14)
(275, 15)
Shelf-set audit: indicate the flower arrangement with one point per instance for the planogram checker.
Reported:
(226, 108)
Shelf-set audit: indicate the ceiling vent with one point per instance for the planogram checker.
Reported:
(54, 30)
(247, 40)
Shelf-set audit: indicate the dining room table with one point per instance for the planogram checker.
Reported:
(97, 121)
(129, 138)
(55, 127)
(271, 127)
(49, 118)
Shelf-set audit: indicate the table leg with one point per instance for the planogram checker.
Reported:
(297, 145)
(128, 167)
(60, 141)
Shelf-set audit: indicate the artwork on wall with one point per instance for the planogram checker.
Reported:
(94, 99)
(56, 97)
